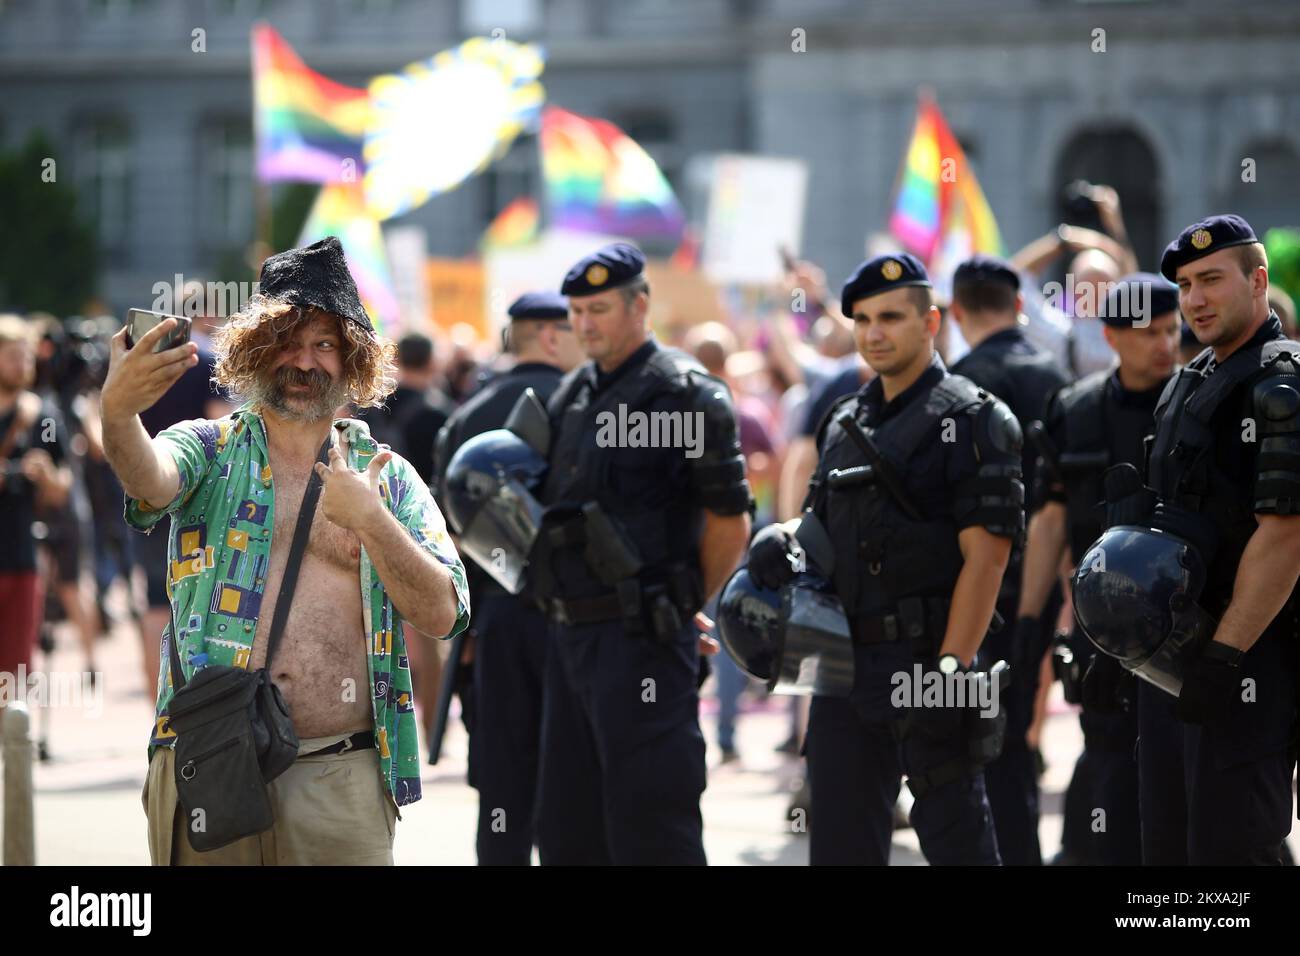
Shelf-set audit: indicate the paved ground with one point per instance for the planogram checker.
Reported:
(88, 808)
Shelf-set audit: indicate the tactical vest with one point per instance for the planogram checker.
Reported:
(1084, 458)
(664, 534)
(883, 556)
(1196, 499)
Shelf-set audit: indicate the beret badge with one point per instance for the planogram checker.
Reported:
(597, 274)
(891, 270)
(1201, 238)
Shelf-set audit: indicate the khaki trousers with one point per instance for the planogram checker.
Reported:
(329, 811)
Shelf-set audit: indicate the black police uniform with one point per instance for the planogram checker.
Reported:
(1023, 376)
(510, 647)
(956, 451)
(617, 565)
(1219, 792)
(1092, 425)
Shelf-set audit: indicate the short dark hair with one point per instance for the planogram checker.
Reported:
(414, 350)
(984, 296)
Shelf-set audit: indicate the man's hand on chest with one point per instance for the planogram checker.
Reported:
(350, 498)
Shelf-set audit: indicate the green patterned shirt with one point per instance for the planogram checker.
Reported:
(219, 550)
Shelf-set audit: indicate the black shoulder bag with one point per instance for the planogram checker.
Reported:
(233, 730)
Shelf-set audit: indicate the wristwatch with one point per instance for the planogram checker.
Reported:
(949, 663)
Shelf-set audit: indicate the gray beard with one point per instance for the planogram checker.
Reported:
(312, 406)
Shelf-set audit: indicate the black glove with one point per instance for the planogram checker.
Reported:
(936, 723)
(1211, 683)
(1067, 667)
(769, 557)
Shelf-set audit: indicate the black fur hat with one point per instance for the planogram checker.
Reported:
(315, 275)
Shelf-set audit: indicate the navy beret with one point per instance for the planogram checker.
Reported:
(1203, 238)
(1142, 296)
(316, 275)
(539, 305)
(982, 268)
(609, 268)
(881, 274)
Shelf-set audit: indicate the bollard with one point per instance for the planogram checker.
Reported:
(19, 822)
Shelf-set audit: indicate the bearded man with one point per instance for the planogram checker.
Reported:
(377, 554)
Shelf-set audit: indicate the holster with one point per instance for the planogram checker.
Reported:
(650, 605)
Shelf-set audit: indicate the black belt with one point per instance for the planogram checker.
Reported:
(361, 740)
(883, 629)
(630, 599)
(604, 607)
(913, 620)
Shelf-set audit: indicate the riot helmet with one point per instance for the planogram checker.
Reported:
(490, 503)
(1135, 593)
(796, 639)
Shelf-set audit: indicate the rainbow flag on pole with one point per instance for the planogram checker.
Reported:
(599, 180)
(514, 226)
(308, 127)
(340, 210)
(940, 213)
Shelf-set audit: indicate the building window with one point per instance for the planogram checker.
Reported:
(104, 181)
(516, 17)
(226, 160)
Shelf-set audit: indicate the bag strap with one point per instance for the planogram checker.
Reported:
(306, 512)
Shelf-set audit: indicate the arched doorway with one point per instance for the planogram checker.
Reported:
(1120, 157)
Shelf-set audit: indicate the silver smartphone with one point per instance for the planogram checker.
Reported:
(140, 321)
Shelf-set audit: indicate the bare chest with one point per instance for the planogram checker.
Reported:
(321, 653)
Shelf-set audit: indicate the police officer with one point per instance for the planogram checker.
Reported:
(647, 514)
(986, 305)
(918, 486)
(510, 645)
(1226, 473)
(1101, 420)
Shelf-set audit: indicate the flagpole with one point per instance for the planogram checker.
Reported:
(261, 247)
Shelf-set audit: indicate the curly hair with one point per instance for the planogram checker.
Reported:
(245, 346)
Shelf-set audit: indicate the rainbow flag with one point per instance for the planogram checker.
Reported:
(516, 225)
(340, 210)
(599, 180)
(307, 126)
(940, 213)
